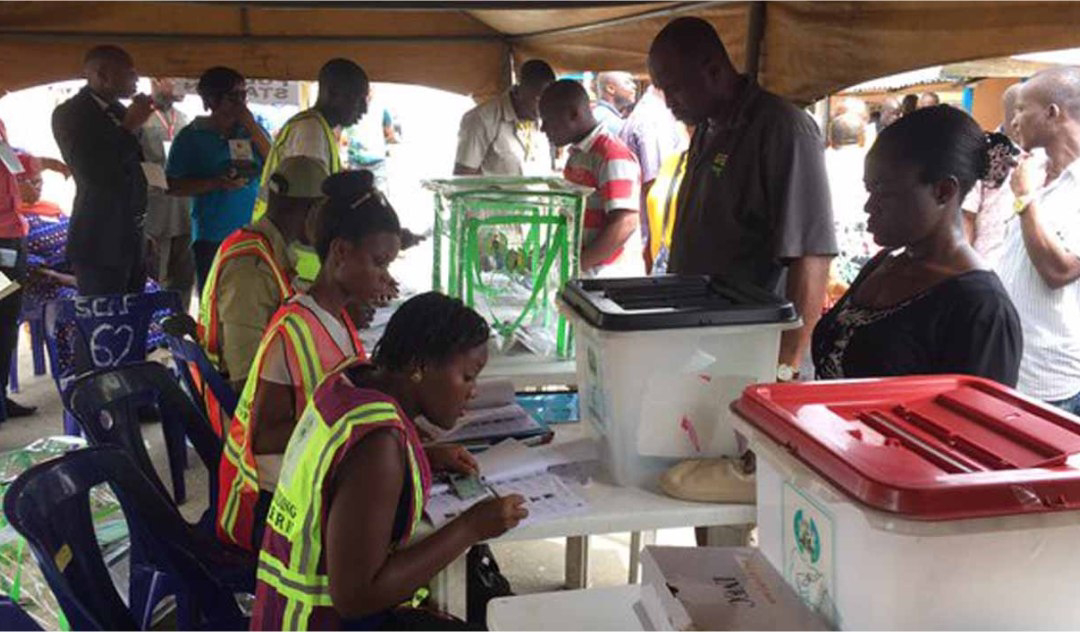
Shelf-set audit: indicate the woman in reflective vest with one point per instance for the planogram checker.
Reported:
(334, 553)
(357, 237)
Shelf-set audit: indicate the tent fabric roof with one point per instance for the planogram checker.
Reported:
(808, 49)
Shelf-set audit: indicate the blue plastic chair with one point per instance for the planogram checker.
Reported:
(110, 404)
(180, 337)
(49, 505)
(94, 332)
(13, 617)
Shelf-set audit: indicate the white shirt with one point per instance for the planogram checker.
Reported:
(308, 138)
(1050, 319)
(275, 368)
(493, 140)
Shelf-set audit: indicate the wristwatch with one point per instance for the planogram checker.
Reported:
(786, 373)
(1021, 204)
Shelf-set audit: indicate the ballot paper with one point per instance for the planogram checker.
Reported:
(513, 468)
(492, 415)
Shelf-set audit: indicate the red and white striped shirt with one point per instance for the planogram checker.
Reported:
(606, 164)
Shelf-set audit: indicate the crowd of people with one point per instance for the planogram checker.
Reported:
(973, 269)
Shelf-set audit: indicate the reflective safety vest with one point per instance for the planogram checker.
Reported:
(292, 587)
(307, 262)
(310, 353)
(660, 205)
(241, 243)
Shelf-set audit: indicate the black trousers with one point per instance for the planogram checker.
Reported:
(97, 280)
(10, 307)
(204, 258)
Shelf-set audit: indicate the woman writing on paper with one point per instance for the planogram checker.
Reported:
(333, 554)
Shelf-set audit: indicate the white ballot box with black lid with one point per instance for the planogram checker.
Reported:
(709, 588)
(660, 358)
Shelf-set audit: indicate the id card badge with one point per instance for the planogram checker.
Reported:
(240, 150)
(8, 257)
(10, 160)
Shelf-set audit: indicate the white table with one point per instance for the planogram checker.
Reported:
(593, 609)
(528, 372)
(612, 509)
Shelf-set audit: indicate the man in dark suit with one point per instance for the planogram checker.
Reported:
(98, 139)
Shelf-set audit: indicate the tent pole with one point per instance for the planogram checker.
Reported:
(755, 32)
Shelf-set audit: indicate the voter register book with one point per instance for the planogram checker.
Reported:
(510, 468)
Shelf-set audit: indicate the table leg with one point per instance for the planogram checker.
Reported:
(577, 562)
(639, 539)
(448, 588)
(729, 535)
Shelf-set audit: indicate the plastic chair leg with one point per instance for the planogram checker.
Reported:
(176, 447)
(71, 427)
(13, 373)
(37, 345)
(148, 588)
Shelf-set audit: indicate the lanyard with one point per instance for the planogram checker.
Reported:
(170, 125)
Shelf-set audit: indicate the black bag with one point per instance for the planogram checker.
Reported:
(484, 582)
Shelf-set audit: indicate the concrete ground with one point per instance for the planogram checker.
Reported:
(534, 566)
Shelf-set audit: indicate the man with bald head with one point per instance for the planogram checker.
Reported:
(754, 204)
(890, 112)
(98, 138)
(615, 94)
(987, 207)
(598, 159)
(1040, 266)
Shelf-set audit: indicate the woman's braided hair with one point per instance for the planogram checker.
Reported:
(428, 330)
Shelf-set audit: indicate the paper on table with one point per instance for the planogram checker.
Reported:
(506, 421)
(155, 175)
(546, 498)
(492, 394)
(512, 459)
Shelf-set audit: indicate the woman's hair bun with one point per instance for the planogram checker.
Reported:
(999, 158)
(348, 185)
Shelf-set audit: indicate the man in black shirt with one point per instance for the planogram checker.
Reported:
(755, 201)
(98, 139)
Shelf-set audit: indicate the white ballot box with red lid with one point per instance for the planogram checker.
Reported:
(932, 502)
(659, 359)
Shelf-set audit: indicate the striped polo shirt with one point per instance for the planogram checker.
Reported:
(606, 164)
(1050, 318)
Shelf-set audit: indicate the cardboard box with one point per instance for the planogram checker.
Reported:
(709, 588)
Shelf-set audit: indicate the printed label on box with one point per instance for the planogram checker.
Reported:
(594, 399)
(808, 549)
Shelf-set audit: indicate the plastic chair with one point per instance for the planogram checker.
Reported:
(110, 404)
(13, 617)
(49, 505)
(198, 373)
(93, 332)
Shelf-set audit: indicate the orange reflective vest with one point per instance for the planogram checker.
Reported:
(243, 242)
(292, 589)
(310, 353)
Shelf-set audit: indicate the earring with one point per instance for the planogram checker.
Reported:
(417, 376)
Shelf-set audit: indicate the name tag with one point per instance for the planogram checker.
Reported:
(10, 160)
(240, 150)
(8, 257)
